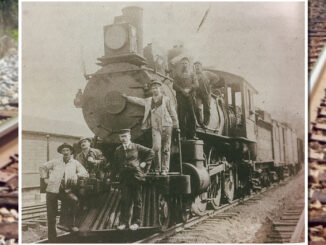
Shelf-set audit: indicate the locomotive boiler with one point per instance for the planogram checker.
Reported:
(241, 150)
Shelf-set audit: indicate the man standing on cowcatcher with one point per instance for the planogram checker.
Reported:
(131, 161)
(160, 115)
(61, 175)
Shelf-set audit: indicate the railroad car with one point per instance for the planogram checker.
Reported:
(242, 149)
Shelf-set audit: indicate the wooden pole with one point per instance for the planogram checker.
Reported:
(47, 147)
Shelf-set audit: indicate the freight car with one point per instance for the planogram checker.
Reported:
(241, 150)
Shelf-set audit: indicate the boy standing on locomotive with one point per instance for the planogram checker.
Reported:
(61, 175)
(92, 159)
(130, 163)
(160, 115)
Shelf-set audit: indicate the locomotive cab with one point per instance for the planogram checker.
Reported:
(238, 96)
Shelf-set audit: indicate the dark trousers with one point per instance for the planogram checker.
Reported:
(69, 199)
(204, 99)
(186, 115)
(131, 195)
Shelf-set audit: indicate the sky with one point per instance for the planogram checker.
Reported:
(262, 42)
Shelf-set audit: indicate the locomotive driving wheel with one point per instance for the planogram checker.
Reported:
(163, 212)
(215, 188)
(229, 185)
(215, 191)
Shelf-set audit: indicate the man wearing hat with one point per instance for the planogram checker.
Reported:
(185, 85)
(131, 161)
(160, 115)
(205, 80)
(61, 175)
(92, 159)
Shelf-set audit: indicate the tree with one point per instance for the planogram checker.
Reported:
(8, 16)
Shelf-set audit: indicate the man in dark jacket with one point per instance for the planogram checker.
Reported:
(205, 79)
(92, 159)
(185, 85)
(131, 162)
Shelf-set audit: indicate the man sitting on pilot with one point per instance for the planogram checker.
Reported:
(130, 164)
(160, 115)
(61, 175)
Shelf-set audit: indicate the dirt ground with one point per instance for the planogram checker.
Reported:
(37, 233)
(250, 223)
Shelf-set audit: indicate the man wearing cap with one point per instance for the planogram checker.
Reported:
(206, 80)
(61, 175)
(92, 159)
(160, 115)
(185, 85)
(131, 161)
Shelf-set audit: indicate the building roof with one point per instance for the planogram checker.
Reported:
(50, 126)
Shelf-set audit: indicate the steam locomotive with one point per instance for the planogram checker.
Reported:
(242, 150)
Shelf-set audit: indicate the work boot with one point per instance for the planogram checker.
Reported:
(121, 227)
(164, 172)
(74, 229)
(134, 227)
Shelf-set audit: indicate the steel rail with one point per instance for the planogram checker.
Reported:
(299, 229)
(210, 213)
(8, 126)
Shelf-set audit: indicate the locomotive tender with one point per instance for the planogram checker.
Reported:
(242, 149)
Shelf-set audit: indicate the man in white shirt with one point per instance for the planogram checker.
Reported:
(61, 175)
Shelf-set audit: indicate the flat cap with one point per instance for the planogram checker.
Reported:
(155, 82)
(84, 138)
(197, 62)
(124, 131)
(65, 145)
(184, 58)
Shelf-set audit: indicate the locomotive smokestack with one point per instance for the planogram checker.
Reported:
(134, 16)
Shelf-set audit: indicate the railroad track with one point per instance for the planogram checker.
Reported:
(212, 216)
(9, 177)
(34, 212)
(316, 31)
(154, 235)
(290, 227)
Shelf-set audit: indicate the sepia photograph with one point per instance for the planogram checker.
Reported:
(163, 122)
